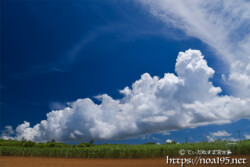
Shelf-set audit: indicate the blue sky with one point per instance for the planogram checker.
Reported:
(55, 52)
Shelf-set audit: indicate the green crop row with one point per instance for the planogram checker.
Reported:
(113, 151)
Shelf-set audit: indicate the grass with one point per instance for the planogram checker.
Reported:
(87, 150)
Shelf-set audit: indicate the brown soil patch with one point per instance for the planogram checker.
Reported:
(9, 161)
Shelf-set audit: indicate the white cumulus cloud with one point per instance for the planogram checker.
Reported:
(247, 136)
(224, 25)
(220, 133)
(151, 105)
(6, 134)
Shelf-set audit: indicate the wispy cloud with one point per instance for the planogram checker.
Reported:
(165, 133)
(223, 25)
(127, 30)
(57, 106)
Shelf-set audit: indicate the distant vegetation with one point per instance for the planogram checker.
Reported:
(89, 150)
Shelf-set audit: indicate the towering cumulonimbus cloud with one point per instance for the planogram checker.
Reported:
(224, 25)
(151, 105)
